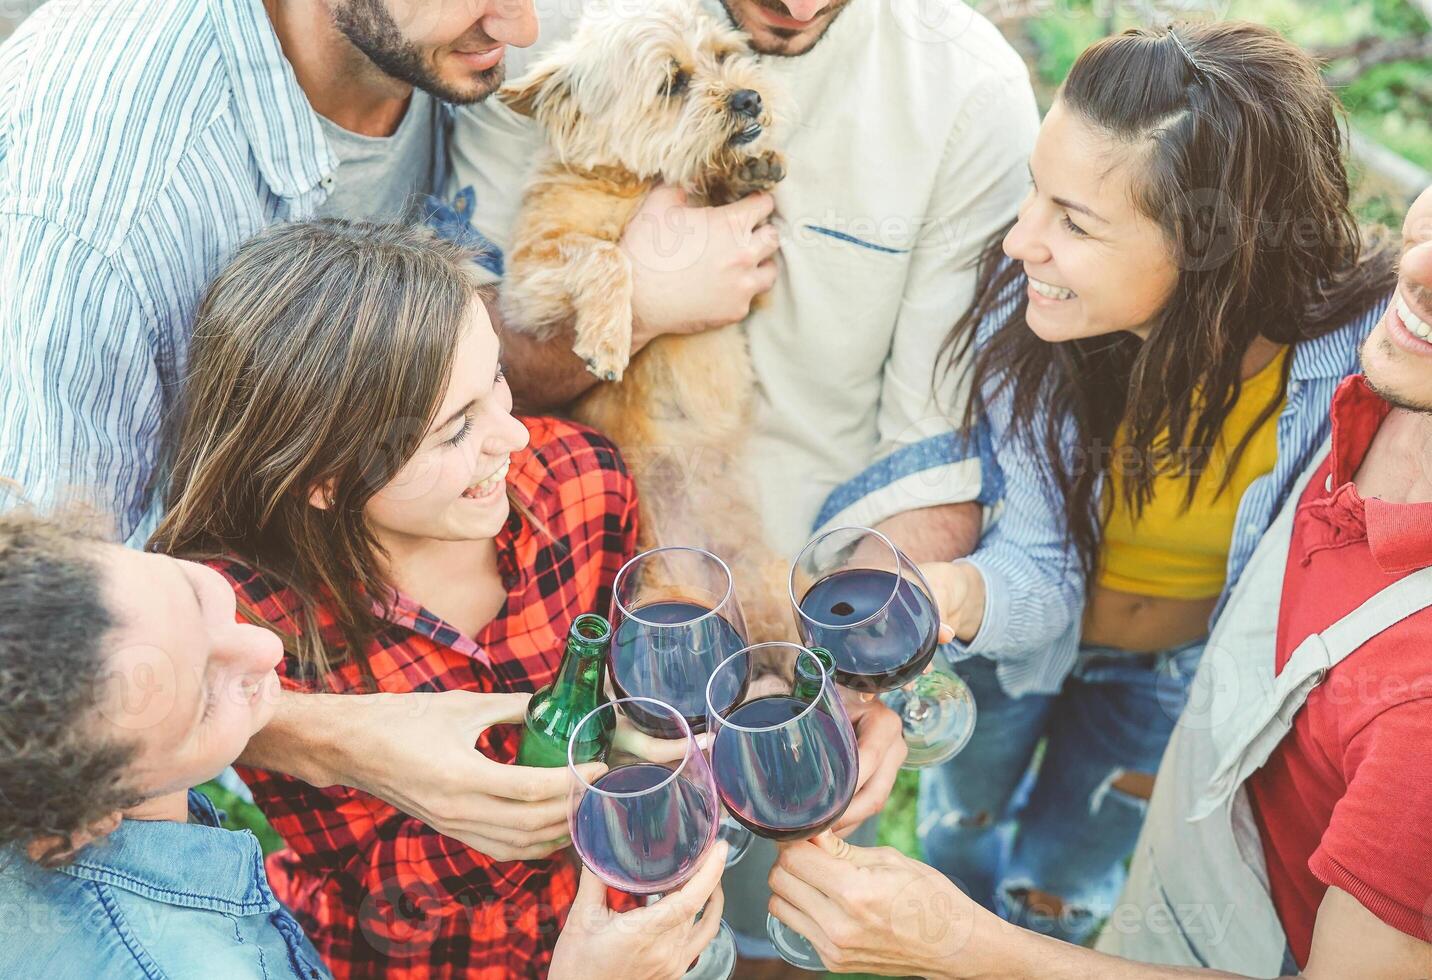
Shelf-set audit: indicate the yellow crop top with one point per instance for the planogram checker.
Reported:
(1182, 553)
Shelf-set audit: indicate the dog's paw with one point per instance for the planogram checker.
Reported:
(760, 173)
(606, 359)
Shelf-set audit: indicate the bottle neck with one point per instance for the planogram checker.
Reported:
(585, 656)
(809, 679)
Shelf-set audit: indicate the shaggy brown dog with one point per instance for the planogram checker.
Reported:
(659, 94)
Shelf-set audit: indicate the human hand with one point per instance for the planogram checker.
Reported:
(656, 942)
(695, 268)
(416, 752)
(874, 910)
(959, 592)
(879, 736)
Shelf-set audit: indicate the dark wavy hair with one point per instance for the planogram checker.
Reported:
(1242, 169)
(57, 777)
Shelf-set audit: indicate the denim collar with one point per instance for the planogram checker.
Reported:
(195, 865)
(284, 132)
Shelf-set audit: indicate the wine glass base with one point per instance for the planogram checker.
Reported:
(938, 714)
(794, 948)
(717, 960)
(738, 840)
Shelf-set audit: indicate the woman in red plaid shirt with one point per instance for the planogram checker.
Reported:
(349, 461)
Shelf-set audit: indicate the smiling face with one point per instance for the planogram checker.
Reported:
(1397, 355)
(184, 682)
(454, 487)
(662, 90)
(1096, 264)
(452, 49)
(784, 29)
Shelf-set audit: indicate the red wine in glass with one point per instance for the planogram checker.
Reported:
(881, 629)
(645, 825)
(772, 789)
(783, 754)
(667, 650)
(640, 835)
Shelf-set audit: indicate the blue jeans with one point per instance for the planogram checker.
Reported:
(1000, 825)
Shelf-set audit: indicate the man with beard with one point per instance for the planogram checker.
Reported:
(912, 129)
(140, 142)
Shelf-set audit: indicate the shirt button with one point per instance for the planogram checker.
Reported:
(327, 183)
(1294, 387)
(1328, 483)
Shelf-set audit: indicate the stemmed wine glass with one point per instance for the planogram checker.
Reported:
(675, 616)
(783, 754)
(646, 824)
(861, 598)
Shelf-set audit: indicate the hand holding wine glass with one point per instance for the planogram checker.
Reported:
(857, 595)
(648, 823)
(654, 942)
(959, 592)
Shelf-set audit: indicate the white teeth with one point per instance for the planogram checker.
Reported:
(1415, 325)
(489, 482)
(1049, 290)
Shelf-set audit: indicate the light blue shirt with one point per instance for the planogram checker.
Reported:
(1034, 587)
(153, 901)
(140, 142)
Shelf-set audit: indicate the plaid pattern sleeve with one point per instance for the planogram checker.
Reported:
(380, 893)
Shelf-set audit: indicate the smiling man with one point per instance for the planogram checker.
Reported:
(171, 131)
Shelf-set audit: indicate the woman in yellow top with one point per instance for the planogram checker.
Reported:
(1155, 346)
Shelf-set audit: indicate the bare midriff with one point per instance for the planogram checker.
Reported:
(1142, 623)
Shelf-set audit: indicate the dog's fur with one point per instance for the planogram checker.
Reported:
(618, 122)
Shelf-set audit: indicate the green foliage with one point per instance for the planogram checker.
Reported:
(1390, 103)
(241, 815)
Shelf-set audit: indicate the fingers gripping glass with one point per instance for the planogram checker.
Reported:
(646, 824)
(783, 754)
(858, 596)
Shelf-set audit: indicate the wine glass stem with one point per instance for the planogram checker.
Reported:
(917, 709)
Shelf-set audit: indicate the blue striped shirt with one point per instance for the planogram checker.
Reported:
(1034, 588)
(140, 142)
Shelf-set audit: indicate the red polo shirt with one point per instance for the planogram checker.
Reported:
(1346, 798)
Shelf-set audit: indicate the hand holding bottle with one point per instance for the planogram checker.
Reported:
(416, 752)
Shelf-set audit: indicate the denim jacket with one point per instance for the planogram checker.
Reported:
(1034, 589)
(156, 899)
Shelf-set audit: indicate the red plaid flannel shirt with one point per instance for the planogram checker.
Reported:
(380, 893)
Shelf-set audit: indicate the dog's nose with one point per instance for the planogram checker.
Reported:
(745, 102)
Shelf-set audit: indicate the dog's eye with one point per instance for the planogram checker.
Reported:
(677, 83)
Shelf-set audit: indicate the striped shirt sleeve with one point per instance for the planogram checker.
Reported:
(81, 391)
(1034, 589)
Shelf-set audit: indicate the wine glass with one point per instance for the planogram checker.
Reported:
(783, 754)
(858, 596)
(675, 616)
(646, 824)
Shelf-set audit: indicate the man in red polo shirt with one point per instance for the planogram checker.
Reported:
(1290, 831)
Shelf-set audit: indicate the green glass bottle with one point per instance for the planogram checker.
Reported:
(554, 711)
(808, 680)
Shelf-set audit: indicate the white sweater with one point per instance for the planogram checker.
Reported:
(909, 148)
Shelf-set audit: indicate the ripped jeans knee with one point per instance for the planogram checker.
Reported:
(1021, 902)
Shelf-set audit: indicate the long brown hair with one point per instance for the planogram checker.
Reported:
(319, 358)
(1242, 169)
